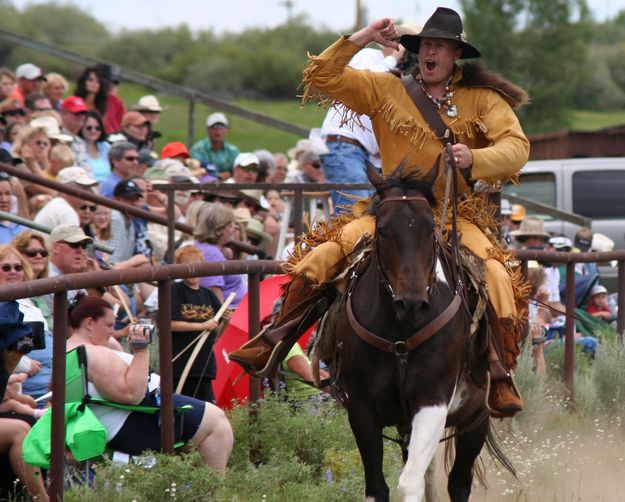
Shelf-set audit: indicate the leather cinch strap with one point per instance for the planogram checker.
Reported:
(403, 347)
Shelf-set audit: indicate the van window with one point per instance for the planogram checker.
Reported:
(539, 187)
(599, 194)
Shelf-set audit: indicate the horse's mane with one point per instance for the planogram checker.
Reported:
(406, 180)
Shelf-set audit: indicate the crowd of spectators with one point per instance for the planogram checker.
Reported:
(84, 136)
(595, 305)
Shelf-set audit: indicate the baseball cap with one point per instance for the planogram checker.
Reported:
(175, 149)
(148, 103)
(127, 188)
(147, 157)
(246, 159)
(583, 239)
(29, 71)
(12, 326)
(518, 213)
(68, 233)
(216, 118)
(174, 169)
(77, 175)
(74, 104)
(561, 243)
(156, 174)
(133, 118)
(597, 290)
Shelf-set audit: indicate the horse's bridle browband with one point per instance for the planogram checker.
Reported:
(404, 198)
(403, 347)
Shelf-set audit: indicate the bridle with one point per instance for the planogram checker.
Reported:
(432, 273)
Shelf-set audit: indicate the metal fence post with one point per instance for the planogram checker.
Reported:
(57, 457)
(253, 291)
(620, 320)
(163, 319)
(569, 345)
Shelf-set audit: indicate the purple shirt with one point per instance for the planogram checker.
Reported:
(227, 283)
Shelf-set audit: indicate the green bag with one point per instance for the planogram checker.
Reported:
(85, 436)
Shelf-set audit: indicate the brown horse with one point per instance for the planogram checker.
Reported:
(405, 355)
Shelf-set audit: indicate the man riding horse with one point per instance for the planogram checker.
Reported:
(489, 145)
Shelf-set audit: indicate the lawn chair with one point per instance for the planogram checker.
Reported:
(87, 440)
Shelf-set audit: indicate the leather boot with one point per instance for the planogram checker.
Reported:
(504, 398)
(302, 304)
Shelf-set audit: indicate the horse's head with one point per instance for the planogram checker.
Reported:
(405, 238)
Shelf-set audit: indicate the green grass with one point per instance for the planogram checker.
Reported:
(246, 134)
(588, 121)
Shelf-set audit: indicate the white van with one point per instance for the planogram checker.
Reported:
(590, 187)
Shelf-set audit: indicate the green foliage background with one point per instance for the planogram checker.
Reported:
(572, 65)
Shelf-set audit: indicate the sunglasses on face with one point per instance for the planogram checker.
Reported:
(42, 143)
(87, 207)
(31, 253)
(93, 128)
(252, 168)
(76, 245)
(131, 158)
(316, 165)
(14, 113)
(7, 267)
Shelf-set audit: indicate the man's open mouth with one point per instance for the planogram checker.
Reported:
(430, 65)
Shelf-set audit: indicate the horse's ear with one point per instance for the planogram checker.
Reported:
(372, 174)
(433, 174)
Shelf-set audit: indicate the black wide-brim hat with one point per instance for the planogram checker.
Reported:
(444, 23)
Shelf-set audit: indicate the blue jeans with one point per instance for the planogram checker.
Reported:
(345, 164)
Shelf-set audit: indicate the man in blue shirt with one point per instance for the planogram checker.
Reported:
(213, 150)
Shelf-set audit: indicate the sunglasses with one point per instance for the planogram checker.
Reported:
(93, 128)
(252, 168)
(14, 113)
(7, 267)
(316, 165)
(132, 158)
(42, 143)
(87, 207)
(31, 253)
(76, 245)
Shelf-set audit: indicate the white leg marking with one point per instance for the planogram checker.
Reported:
(440, 275)
(431, 492)
(369, 499)
(428, 426)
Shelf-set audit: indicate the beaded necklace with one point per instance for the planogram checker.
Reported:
(445, 101)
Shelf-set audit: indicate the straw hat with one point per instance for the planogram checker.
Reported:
(531, 227)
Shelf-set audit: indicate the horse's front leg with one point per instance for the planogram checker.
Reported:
(468, 447)
(428, 426)
(369, 440)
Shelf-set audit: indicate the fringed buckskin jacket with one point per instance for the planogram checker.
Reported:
(485, 122)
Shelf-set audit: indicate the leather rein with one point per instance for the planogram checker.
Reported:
(400, 348)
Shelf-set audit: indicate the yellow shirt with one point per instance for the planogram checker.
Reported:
(485, 122)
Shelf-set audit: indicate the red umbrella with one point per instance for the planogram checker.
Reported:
(235, 335)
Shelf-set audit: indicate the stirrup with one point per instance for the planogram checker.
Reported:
(491, 411)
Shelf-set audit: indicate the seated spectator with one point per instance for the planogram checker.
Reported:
(52, 128)
(55, 88)
(7, 86)
(97, 146)
(10, 188)
(150, 108)
(115, 108)
(245, 169)
(598, 304)
(517, 216)
(121, 377)
(29, 79)
(35, 103)
(73, 114)
(10, 133)
(265, 164)
(277, 173)
(32, 146)
(310, 171)
(60, 157)
(63, 209)
(147, 159)
(178, 151)
(135, 129)
(216, 226)
(101, 228)
(213, 152)
(193, 308)
(124, 160)
(89, 87)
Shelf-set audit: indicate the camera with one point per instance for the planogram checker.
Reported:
(35, 341)
(146, 330)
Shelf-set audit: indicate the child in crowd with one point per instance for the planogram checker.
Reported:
(598, 304)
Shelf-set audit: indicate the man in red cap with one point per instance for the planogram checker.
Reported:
(74, 113)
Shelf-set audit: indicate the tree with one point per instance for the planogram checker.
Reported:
(542, 44)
